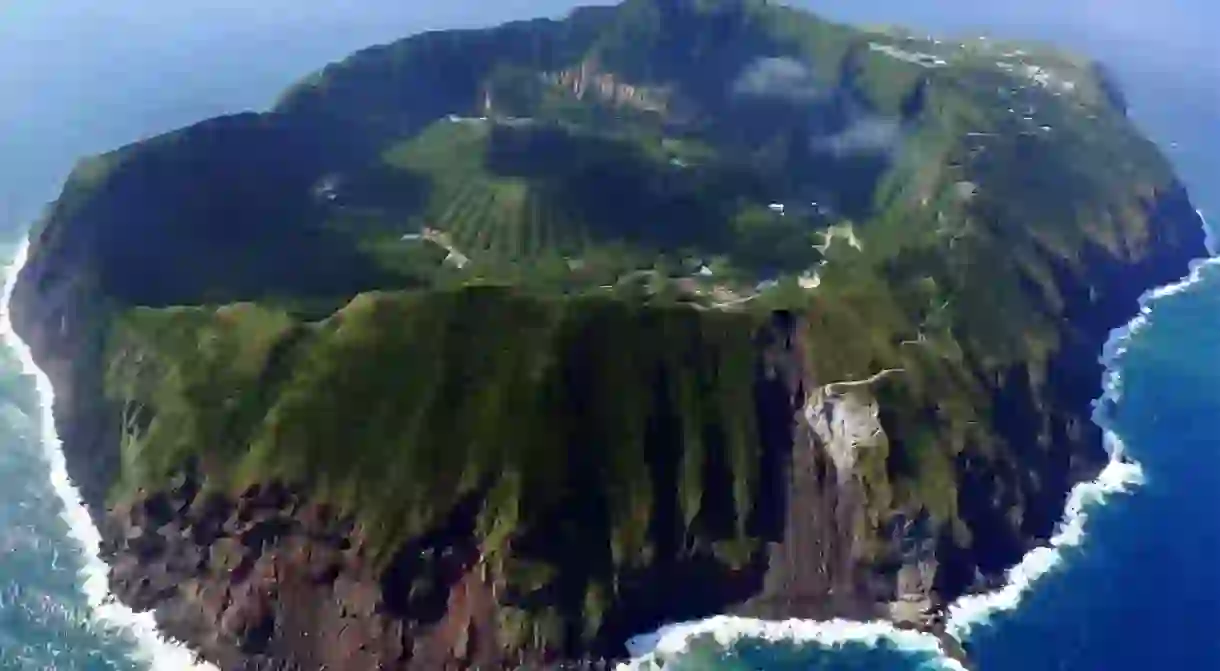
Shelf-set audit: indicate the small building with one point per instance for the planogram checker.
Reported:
(704, 271)
(776, 207)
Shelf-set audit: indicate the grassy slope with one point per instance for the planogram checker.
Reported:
(402, 401)
(401, 404)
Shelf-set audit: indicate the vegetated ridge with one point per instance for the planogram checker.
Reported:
(495, 347)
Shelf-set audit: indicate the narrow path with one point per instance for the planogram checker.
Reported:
(442, 239)
(833, 386)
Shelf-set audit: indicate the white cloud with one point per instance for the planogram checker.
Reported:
(865, 136)
(777, 77)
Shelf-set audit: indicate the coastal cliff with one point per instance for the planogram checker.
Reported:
(497, 347)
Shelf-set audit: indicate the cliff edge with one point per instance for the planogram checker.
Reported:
(496, 347)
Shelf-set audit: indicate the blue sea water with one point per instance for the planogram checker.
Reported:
(1143, 591)
(1140, 592)
(46, 622)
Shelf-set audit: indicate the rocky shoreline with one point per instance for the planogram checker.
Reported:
(269, 577)
(272, 577)
(851, 491)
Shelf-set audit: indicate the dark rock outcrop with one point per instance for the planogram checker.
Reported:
(271, 580)
(274, 579)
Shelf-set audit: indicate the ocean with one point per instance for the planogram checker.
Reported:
(55, 609)
(1138, 589)
(1134, 588)
(1129, 580)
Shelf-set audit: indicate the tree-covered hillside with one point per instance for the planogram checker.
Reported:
(576, 291)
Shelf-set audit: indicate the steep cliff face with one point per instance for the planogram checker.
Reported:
(1048, 422)
(275, 575)
(268, 579)
(61, 320)
(669, 376)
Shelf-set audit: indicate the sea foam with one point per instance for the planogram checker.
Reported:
(667, 644)
(1118, 476)
(1209, 236)
(152, 649)
(1121, 474)
(654, 650)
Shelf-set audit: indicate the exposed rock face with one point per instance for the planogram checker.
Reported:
(843, 423)
(585, 79)
(53, 313)
(271, 579)
(1065, 447)
(268, 581)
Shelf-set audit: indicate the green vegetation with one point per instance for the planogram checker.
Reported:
(553, 310)
(400, 404)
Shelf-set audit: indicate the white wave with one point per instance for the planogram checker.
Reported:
(653, 651)
(1209, 236)
(1120, 475)
(1197, 268)
(152, 649)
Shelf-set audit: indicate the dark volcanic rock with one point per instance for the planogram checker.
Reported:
(270, 579)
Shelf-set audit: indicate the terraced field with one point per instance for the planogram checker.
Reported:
(535, 201)
(494, 219)
(503, 220)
